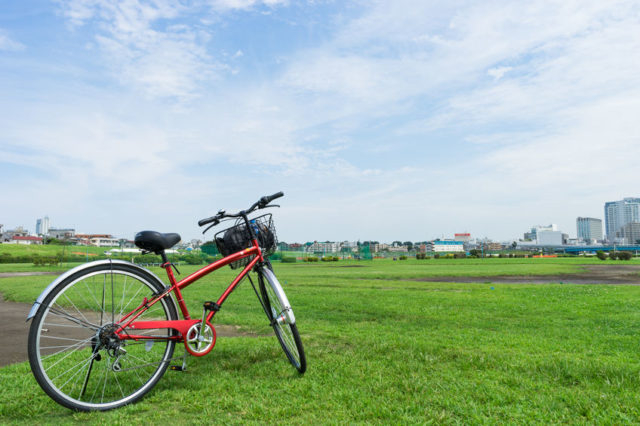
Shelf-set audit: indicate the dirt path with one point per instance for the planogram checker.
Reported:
(25, 274)
(15, 329)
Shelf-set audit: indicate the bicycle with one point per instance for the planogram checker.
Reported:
(104, 333)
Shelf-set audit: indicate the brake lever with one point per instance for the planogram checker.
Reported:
(215, 222)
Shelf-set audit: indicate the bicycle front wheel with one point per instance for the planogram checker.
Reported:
(74, 352)
(280, 315)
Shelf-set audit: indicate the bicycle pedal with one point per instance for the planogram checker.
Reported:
(177, 368)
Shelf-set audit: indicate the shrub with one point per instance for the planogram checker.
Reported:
(421, 256)
(436, 256)
(327, 259)
(601, 255)
(625, 255)
(613, 255)
(288, 259)
(46, 260)
(193, 259)
(311, 259)
(403, 257)
(460, 255)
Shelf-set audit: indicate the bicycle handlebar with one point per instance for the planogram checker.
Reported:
(260, 204)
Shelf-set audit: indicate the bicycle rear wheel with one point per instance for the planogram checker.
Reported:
(74, 353)
(280, 315)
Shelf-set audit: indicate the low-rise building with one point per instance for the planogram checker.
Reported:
(493, 246)
(465, 237)
(61, 234)
(549, 238)
(325, 247)
(16, 239)
(10, 233)
(98, 240)
(446, 246)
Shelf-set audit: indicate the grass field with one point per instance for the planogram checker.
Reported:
(384, 349)
(48, 250)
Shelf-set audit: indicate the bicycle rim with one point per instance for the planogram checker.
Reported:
(74, 354)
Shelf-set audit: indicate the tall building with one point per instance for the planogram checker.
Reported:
(631, 233)
(589, 228)
(42, 226)
(618, 213)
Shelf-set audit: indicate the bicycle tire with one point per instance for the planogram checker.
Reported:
(67, 351)
(280, 315)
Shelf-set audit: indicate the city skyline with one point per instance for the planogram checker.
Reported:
(378, 120)
(585, 227)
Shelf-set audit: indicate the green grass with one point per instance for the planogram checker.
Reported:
(384, 350)
(48, 249)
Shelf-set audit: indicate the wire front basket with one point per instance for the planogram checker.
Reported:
(238, 237)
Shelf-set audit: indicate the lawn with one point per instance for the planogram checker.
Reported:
(384, 349)
(49, 249)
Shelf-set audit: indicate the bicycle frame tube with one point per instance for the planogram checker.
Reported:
(176, 287)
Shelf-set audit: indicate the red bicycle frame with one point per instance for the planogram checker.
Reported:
(128, 322)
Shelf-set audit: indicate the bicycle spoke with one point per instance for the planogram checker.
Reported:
(73, 367)
(66, 315)
(74, 352)
(76, 308)
(124, 291)
(113, 304)
(76, 345)
(104, 285)
(91, 293)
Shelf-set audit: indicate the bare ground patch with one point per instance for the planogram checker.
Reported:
(594, 274)
(15, 331)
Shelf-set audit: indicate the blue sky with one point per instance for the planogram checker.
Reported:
(384, 120)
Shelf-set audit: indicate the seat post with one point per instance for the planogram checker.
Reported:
(165, 261)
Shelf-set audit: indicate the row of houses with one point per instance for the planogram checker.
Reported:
(435, 246)
(20, 235)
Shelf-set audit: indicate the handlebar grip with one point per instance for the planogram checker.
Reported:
(269, 198)
(203, 222)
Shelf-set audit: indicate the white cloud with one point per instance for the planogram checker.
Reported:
(224, 5)
(169, 61)
(540, 99)
(7, 44)
(498, 72)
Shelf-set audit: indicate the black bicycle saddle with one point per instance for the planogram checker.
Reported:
(156, 241)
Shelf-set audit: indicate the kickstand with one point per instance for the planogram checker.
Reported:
(183, 367)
